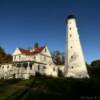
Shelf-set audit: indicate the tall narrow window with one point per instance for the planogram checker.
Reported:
(34, 58)
(31, 66)
(25, 65)
(2, 67)
(44, 58)
(38, 67)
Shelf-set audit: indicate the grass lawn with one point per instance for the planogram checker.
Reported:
(48, 88)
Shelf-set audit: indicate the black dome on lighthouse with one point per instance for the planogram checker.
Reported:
(71, 16)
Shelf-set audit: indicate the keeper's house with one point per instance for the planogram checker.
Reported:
(29, 62)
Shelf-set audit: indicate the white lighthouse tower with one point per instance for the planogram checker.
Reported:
(74, 60)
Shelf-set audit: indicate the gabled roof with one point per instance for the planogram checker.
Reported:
(28, 52)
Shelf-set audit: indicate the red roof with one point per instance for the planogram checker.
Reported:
(28, 52)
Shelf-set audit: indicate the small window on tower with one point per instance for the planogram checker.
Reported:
(71, 57)
(71, 47)
(70, 35)
(72, 67)
(70, 22)
(70, 28)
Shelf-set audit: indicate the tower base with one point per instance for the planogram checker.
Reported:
(77, 73)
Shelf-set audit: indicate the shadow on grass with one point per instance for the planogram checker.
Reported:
(48, 88)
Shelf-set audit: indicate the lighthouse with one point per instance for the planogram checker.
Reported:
(74, 60)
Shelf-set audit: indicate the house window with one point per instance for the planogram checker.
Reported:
(30, 65)
(25, 65)
(44, 67)
(44, 58)
(19, 65)
(15, 57)
(34, 58)
(38, 67)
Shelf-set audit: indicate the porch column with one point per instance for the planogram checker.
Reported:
(28, 69)
(21, 70)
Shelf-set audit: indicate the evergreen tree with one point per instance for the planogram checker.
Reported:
(4, 57)
(36, 45)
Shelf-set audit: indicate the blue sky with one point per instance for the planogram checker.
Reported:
(23, 22)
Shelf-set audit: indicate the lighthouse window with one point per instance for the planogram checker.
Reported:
(71, 47)
(71, 56)
(70, 28)
(70, 35)
(72, 67)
